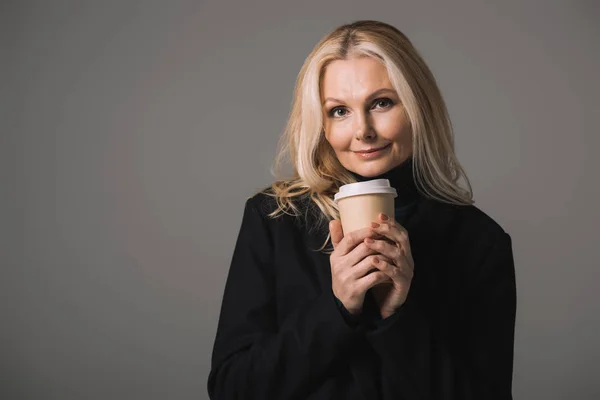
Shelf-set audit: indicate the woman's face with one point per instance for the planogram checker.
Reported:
(362, 112)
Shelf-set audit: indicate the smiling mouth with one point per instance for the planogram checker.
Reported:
(373, 150)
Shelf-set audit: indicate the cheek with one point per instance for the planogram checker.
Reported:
(394, 127)
(338, 136)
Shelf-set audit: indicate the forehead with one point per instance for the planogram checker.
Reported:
(354, 75)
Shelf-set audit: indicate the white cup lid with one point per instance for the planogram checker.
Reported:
(365, 187)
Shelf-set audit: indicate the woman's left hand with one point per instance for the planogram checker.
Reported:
(396, 262)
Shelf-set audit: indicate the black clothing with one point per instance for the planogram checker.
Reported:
(401, 178)
(281, 334)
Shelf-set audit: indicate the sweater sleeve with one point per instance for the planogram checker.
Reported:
(256, 355)
(419, 363)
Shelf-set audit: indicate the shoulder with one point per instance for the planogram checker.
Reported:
(476, 218)
(262, 202)
(305, 217)
(467, 233)
(468, 222)
(265, 204)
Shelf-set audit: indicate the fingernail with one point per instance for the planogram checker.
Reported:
(376, 260)
(374, 225)
(369, 240)
(384, 217)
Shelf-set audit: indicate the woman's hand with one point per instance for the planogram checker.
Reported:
(351, 263)
(397, 264)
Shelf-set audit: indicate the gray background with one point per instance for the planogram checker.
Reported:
(132, 132)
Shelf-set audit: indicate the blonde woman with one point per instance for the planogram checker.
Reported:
(305, 313)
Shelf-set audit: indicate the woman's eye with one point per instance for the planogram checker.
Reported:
(333, 111)
(385, 102)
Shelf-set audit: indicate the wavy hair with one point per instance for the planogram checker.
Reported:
(317, 173)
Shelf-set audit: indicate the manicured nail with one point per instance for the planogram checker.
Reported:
(383, 217)
(374, 225)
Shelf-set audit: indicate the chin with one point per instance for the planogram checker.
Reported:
(374, 169)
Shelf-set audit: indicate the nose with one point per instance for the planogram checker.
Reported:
(363, 129)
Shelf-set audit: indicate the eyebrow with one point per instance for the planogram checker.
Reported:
(369, 98)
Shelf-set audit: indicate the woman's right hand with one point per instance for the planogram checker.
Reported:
(351, 265)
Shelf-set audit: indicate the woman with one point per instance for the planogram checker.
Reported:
(304, 320)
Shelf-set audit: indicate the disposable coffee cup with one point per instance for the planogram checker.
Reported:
(360, 203)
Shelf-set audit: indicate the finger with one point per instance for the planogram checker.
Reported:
(371, 280)
(365, 267)
(336, 231)
(357, 254)
(404, 258)
(405, 243)
(384, 247)
(352, 239)
(395, 232)
(399, 274)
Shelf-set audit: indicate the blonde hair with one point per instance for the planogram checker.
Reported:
(317, 173)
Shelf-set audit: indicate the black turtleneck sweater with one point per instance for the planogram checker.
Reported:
(281, 335)
(401, 178)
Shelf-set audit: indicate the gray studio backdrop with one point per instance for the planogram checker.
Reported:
(132, 133)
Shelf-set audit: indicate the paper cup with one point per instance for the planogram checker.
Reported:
(360, 203)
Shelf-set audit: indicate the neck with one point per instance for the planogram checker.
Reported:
(401, 178)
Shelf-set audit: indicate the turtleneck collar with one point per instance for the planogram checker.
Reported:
(401, 178)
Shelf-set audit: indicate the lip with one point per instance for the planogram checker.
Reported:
(372, 150)
(372, 153)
